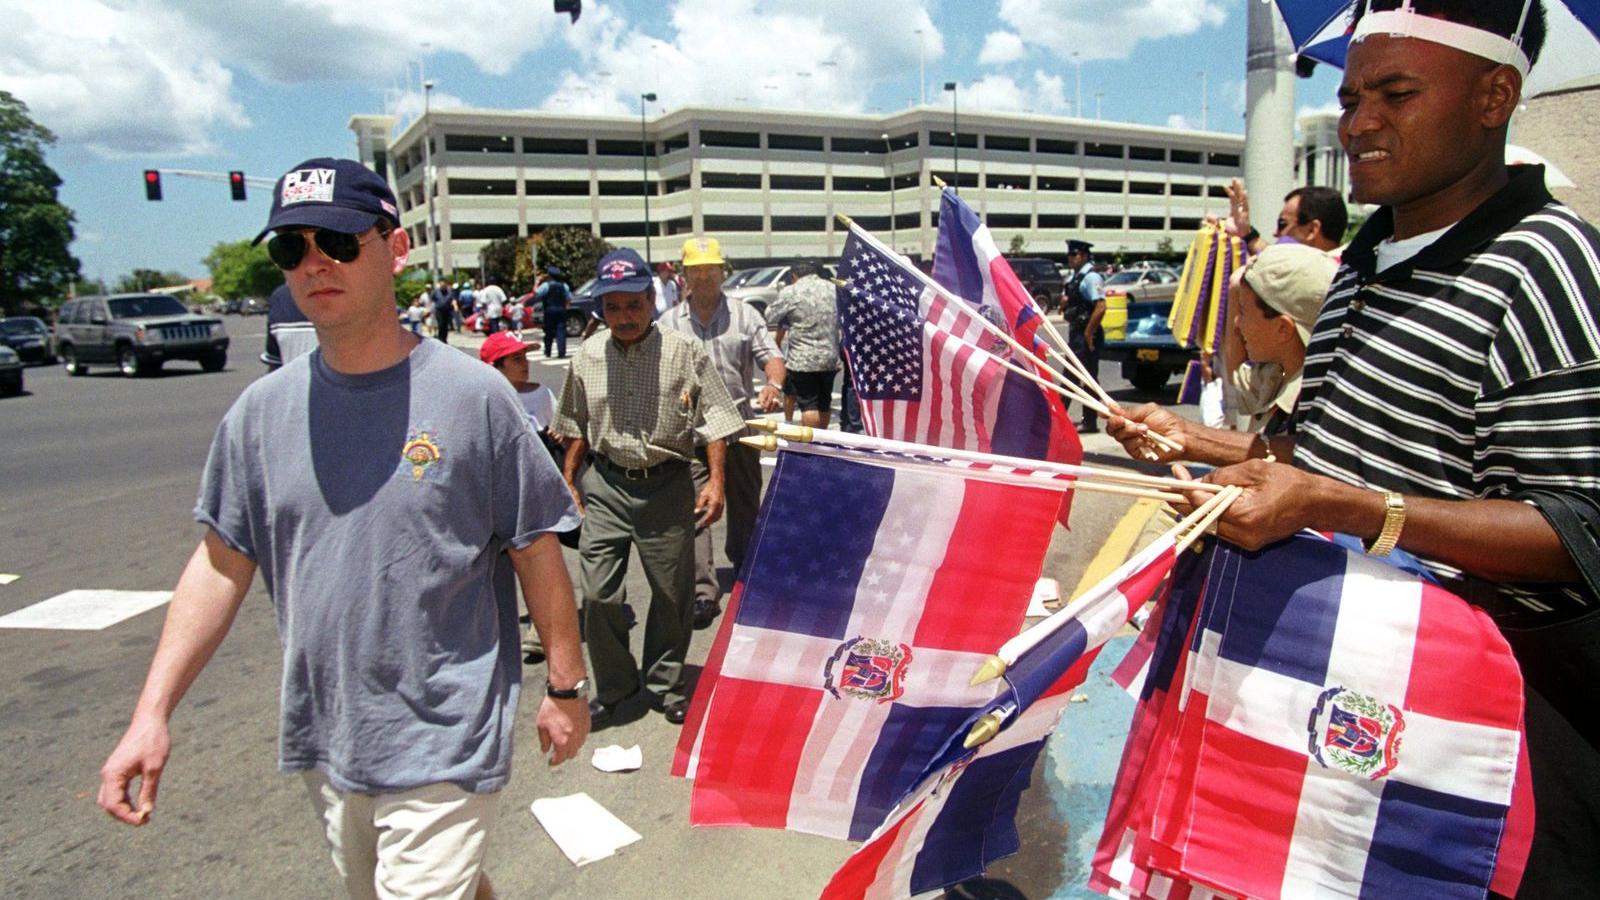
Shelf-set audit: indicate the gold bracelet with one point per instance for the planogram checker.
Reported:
(1394, 519)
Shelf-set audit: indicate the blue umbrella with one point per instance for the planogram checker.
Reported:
(1571, 50)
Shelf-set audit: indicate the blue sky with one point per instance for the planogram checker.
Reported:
(258, 86)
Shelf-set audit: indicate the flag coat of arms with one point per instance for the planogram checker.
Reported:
(1357, 727)
(871, 596)
(926, 370)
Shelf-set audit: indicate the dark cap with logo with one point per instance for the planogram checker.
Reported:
(1076, 246)
(622, 270)
(336, 194)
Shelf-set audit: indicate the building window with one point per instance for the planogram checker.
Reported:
(1057, 221)
(842, 183)
(798, 223)
(556, 146)
(1105, 151)
(556, 188)
(1102, 186)
(730, 180)
(1147, 223)
(1057, 183)
(858, 145)
(748, 140)
(623, 229)
(1186, 190)
(1149, 154)
(809, 142)
(674, 185)
(870, 223)
(1009, 220)
(1227, 160)
(967, 179)
(1050, 145)
(624, 148)
(733, 223)
(380, 162)
(479, 187)
(676, 142)
(1217, 190)
(908, 180)
(1146, 188)
(624, 188)
(684, 225)
(1185, 224)
(903, 141)
(1000, 142)
(1103, 222)
(473, 143)
(1186, 156)
(941, 138)
(795, 182)
(908, 220)
(467, 231)
(1009, 182)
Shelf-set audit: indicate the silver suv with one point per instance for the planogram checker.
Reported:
(137, 333)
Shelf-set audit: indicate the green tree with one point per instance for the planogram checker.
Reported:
(575, 250)
(1019, 245)
(240, 270)
(147, 279)
(500, 264)
(36, 261)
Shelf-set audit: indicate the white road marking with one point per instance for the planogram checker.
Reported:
(8, 578)
(85, 610)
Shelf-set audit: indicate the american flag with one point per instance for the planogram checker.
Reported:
(926, 370)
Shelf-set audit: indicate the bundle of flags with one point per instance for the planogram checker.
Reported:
(1313, 721)
(1200, 309)
(927, 364)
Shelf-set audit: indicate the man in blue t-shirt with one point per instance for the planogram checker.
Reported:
(391, 533)
(555, 298)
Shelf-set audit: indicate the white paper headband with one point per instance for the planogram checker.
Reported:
(1407, 22)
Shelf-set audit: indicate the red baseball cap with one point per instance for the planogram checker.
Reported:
(501, 345)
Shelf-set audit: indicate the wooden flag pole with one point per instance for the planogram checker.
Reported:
(1068, 389)
(807, 435)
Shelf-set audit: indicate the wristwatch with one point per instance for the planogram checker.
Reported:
(1252, 235)
(571, 693)
(1394, 519)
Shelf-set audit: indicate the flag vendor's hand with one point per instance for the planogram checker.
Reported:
(1134, 427)
(1277, 502)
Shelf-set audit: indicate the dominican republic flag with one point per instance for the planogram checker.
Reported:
(962, 816)
(927, 371)
(1357, 728)
(968, 263)
(870, 597)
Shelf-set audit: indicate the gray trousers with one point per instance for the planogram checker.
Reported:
(742, 491)
(656, 515)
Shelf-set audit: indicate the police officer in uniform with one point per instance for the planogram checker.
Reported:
(1083, 304)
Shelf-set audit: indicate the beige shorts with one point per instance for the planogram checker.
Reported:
(425, 842)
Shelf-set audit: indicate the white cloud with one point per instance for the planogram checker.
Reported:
(408, 104)
(1042, 93)
(117, 79)
(1326, 109)
(769, 53)
(1001, 47)
(1179, 120)
(1106, 29)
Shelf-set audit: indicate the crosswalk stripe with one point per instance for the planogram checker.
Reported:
(85, 610)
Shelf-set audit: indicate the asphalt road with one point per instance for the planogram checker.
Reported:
(97, 481)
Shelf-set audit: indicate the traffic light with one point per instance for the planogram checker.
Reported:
(152, 184)
(236, 182)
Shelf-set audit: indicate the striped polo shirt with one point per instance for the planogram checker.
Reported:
(1470, 371)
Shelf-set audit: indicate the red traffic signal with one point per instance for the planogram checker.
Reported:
(236, 182)
(152, 184)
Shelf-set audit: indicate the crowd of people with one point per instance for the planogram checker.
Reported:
(1433, 386)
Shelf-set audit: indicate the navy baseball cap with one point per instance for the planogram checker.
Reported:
(336, 194)
(622, 270)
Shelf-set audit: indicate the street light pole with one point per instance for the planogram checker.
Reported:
(922, 71)
(427, 183)
(955, 134)
(1077, 65)
(888, 168)
(644, 170)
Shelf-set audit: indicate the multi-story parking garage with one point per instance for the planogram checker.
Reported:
(768, 183)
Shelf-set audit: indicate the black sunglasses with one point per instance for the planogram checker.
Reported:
(288, 248)
(1283, 225)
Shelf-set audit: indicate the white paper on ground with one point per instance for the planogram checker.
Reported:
(1047, 591)
(85, 610)
(583, 829)
(616, 759)
(8, 578)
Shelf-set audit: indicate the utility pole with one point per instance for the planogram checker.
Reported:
(955, 133)
(1269, 150)
(922, 70)
(644, 170)
(427, 183)
(888, 169)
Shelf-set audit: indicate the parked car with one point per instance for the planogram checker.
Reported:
(759, 287)
(10, 371)
(1041, 277)
(29, 337)
(138, 333)
(585, 306)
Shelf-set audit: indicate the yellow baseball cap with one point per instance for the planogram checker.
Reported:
(702, 252)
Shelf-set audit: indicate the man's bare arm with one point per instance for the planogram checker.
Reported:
(547, 591)
(577, 449)
(708, 506)
(1197, 443)
(202, 610)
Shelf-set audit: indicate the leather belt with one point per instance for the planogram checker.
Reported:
(635, 473)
